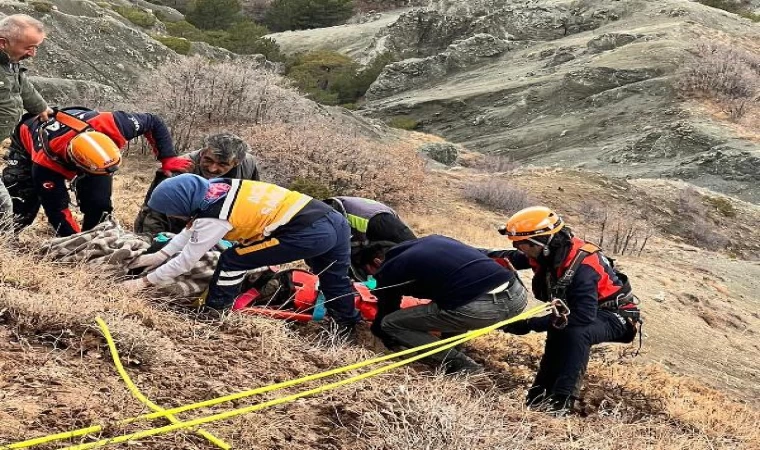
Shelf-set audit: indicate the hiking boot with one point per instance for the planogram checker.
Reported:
(462, 365)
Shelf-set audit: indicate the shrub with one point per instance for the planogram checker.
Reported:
(179, 45)
(692, 221)
(728, 75)
(42, 6)
(305, 14)
(323, 76)
(136, 15)
(242, 36)
(183, 29)
(342, 161)
(311, 187)
(722, 205)
(404, 123)
(617, 232)
(213, 14)
(196, 95)
(498, 194)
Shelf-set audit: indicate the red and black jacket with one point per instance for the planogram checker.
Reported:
(595, 282)
(120, 126)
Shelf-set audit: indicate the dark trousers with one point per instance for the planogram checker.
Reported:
(325, 247)
(47, 188)
(567, 351)
(411, 327)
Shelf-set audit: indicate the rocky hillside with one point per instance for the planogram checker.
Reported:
(583, 83)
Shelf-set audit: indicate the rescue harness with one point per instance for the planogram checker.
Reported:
(623, 303)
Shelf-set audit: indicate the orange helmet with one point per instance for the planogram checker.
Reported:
(94, 152)
(532, 222)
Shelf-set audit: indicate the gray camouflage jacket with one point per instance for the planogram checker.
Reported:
(16, 95)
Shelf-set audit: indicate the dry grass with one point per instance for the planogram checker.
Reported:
(342, 162)
(498, 194)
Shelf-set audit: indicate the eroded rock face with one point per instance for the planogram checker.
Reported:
(422, 33)
(412, 72)
(97, 48)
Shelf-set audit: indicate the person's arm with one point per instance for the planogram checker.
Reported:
(513, 257)
(194, 242)
(132, 125)
(388, 294)
(33, 101)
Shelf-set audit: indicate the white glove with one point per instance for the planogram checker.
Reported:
(135, 285)
(149, 261)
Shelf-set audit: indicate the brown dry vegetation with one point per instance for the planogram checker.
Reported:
(55, 373)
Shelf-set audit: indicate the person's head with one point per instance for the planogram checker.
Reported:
(373, 256)
(221, 153)
(94, 153)
(532, 230)
(20, 36)
(186, 195)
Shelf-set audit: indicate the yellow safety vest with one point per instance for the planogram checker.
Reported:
(256, 209)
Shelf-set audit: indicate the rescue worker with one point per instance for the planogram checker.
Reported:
(468, 291)
(271, 225)
(20, 37)
(370, 221)
(601, 305)
(81, 146)
(223, 155)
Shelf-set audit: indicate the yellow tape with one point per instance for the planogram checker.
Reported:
(444, 344)
(139, 395)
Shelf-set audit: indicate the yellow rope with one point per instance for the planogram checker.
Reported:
(442, 345)
(139, 395)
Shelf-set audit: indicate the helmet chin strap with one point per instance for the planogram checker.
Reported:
(544, 246)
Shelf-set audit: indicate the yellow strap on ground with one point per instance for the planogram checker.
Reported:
(139, 395)
(464, 337)
(289, 398)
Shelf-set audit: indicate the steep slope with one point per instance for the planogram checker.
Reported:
(56, 374)
(580, 83)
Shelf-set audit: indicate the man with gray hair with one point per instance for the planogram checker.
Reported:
(223, 155)
(20, 37)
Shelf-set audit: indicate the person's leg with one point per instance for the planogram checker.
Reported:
(17, 177)
(304, 243)
(411, 327)
(52, 192)
(575, 345)
(332, 269)
(6, 208)
(94, 198)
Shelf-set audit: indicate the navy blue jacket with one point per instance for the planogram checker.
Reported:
(438, 268)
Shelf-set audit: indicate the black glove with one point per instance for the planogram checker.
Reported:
(519, 328)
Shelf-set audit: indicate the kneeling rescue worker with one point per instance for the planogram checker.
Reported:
(468, 291)
(81, 146)
(602, 307)
(271, 225)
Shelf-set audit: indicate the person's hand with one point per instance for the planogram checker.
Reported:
(135, 285)
(149, 261)
(519, 328)
(44, 116)
(176, 164)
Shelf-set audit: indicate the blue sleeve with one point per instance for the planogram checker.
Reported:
(583, 296)
(132, 125)
(515, 257)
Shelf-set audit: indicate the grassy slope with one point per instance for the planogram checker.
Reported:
(55, 373)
